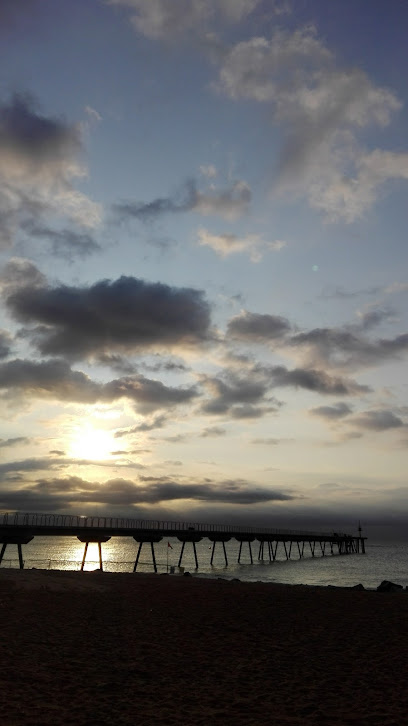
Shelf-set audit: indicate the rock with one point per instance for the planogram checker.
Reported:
(358, 587)
(186, 574)
(387, 586)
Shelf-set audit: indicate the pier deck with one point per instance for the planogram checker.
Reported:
(20, 528)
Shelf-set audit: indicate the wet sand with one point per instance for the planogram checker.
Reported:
(102, 649)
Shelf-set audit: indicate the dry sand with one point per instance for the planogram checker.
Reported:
(101, 649)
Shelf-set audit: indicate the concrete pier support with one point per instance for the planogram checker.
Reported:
(245, 538)
(19, 541)
(86, 539)
(153, 539)
(219, 538)
(189, 536)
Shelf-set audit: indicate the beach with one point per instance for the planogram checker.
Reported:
(103, 649)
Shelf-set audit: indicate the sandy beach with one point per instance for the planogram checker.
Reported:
(102, 649)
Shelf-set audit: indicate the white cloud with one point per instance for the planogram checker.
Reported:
(321, 108)
(228, 203)
(349, 197)
(209, 171)
(228, 244)
(161, 19)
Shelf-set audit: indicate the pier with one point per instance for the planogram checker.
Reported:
(19, 529)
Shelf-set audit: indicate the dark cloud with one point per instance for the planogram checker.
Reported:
(156, 423)
(374, 317)
(16, 441)
(148, 211)
(39, 158)
(259, 328)
(349, 348)
(380, 420)
(32, 465)
(27, 134)
(55, 379)
(17, 470)
(228, 203)
(70, 491)
(315, 380)
(213, 431)
(335, 412)
(5, 344)
(249, 411)
(226, 395)
(249, 397)
(66, 243)
(177, 438)
(148, 394)
(169, 366)
(123, 315)
(49, 379)
(117, 362)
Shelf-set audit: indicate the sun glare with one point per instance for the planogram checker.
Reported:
(91, 443)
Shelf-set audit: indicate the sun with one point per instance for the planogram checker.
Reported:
(89, 442)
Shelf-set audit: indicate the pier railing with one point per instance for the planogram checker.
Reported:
(29, 519)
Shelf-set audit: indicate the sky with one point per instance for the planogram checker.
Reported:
(203, 219)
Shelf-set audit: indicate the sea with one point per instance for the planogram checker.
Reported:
(380, 562)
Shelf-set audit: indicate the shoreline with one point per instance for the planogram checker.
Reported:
(16, 576)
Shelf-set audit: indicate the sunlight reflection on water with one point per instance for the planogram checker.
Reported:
(65, 553)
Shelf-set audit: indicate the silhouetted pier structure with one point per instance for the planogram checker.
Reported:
(19, 529)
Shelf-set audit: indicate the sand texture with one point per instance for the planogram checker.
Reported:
(100, 649)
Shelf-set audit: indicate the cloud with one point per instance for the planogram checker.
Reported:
(231, 395)
(59, 492)
(213, 431)
(348, 347)
(127, 314)
(255, 327)
(320, 108)
(332, 413)
(339, 293)
(39, 160)
(229, 203)
(381, 420)
(374, 316)
(316, 380)
(268, 441)
(20, 273)
(228, 244)
(54, 379)
(155, 423)
(348, 197)
(396, 287)
(163, 20)
(16, 441)
(65, 243)
(5, 344)
(209, 170)
(149, 395)
(15, 470)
